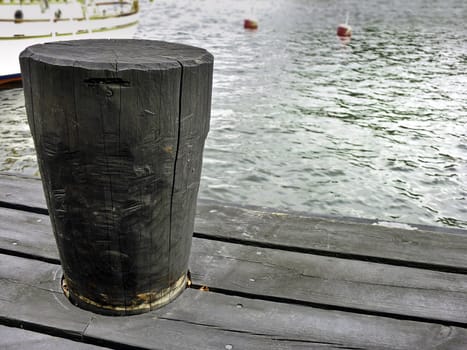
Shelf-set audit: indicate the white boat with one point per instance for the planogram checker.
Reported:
(28, 22)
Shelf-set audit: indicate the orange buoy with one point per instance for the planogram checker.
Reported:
(344, 30)
(250, 24)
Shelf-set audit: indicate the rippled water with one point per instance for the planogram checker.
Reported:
(373, 128)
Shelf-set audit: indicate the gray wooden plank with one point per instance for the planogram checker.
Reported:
(22, 284)
(416, 244)
(269, 325)
(23, 191)
(27, 233)
(208, 320)
(20, 339)
(307, 278)
(332, 281)
(432, 246)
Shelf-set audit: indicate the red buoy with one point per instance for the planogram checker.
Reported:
(250, 24)
(344, 30)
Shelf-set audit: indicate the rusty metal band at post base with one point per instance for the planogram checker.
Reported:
(143, 303)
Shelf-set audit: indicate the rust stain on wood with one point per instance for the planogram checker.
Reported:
(168, 149)
(143, 302)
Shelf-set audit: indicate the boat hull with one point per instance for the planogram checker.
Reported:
(16, 36)
(10, 81)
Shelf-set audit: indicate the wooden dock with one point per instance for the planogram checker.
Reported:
(260, 280)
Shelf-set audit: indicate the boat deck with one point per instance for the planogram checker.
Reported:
(261, 279)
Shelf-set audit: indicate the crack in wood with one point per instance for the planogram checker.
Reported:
(114, 82)
(174, 173)
(13, 281)
(370, 284)
(87, 326)
(266, 335)
(8, 301)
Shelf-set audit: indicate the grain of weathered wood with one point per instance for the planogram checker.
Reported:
(208, 320)
(427, 245)
(23, 282)
(18, 190)
(434, 246)
(119, 129)
(340, 283)
(27, 234)
(20, 339)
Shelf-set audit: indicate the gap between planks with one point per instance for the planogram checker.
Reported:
(197, 317)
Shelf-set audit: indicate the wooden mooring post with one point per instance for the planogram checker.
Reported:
(119, 129)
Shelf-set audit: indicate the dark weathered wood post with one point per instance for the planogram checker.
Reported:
(119, 128)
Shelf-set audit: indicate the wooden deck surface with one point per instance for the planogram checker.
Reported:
(261, 280)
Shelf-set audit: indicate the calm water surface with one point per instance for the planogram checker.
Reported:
(373, 128)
